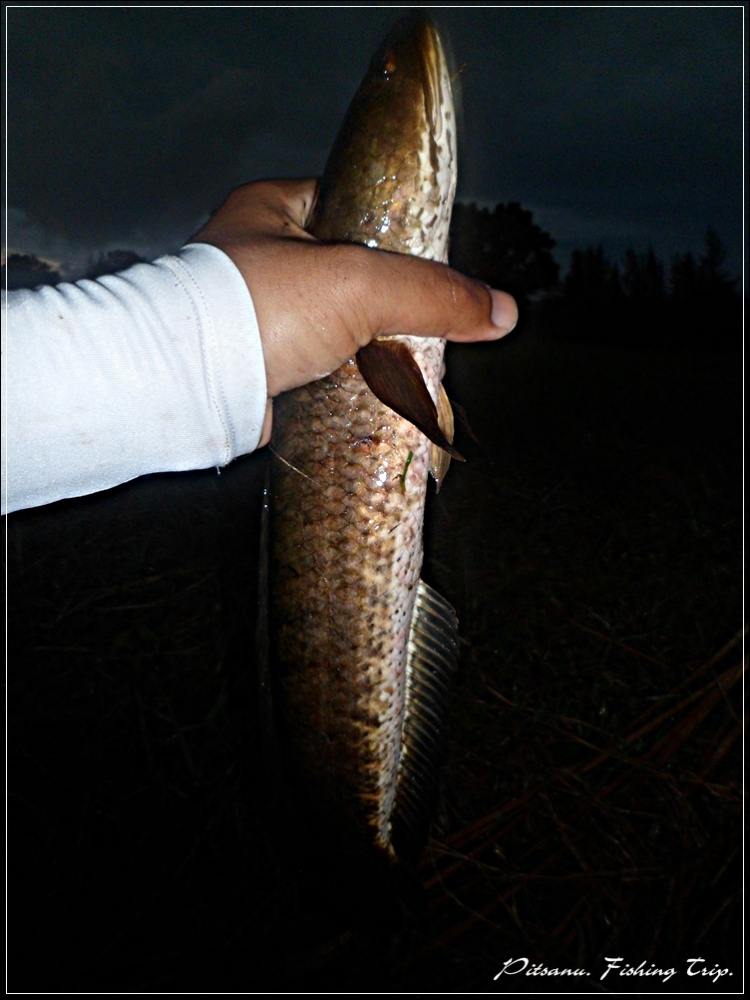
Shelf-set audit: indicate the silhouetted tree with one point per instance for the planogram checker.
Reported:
(713, 276)
(643, 278)
(707, 277)
(704, 299)
(644, 301)
(503, 247)
(24, 270)
(591, 277)
(590, 302)
(683, 278)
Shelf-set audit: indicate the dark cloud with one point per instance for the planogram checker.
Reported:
(126, 126)
(626, 120)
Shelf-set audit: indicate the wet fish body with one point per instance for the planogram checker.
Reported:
(363, 648)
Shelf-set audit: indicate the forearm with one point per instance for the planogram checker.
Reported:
(157, 369)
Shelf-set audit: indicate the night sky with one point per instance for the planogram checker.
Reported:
(126, 127)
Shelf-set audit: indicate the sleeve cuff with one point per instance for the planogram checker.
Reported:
(235, 367)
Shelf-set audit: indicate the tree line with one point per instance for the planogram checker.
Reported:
(639, 300)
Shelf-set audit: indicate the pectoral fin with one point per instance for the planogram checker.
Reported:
(391, 372)
(440, 460)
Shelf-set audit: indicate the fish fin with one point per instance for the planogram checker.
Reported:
(431, 662)
(440, 460)
(393, 375)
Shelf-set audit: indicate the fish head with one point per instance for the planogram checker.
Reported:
(391, 176)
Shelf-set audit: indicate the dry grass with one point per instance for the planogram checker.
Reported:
(591, 783)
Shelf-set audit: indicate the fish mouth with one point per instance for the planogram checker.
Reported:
(416, 48)
(391, 172)
(440, 112)
(436, 78)
(416, 41)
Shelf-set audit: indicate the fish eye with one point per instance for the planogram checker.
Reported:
(389, 64)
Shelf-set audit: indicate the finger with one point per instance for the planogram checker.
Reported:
(268, 208)
(300, 197)
(276, 206)
(409, 295)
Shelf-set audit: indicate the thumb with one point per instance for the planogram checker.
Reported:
(410, 295)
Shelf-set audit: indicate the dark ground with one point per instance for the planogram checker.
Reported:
(591, 799)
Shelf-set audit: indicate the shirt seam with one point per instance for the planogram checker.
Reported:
(209, 349)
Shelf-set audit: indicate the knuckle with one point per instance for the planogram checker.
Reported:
(261, 196)
(350, 268)
(463, 295)
(260, 188)
(246, 192)
(349, 280)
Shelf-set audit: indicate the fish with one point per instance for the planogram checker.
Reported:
(364, 650)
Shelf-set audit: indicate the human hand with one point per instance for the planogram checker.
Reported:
(318, 303)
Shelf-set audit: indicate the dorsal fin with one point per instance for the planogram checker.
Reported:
(431, 662)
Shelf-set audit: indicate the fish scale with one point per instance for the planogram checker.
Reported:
(347, 502)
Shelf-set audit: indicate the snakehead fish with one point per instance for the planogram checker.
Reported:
(363, 647)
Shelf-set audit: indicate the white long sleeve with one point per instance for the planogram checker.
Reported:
(156, 369)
